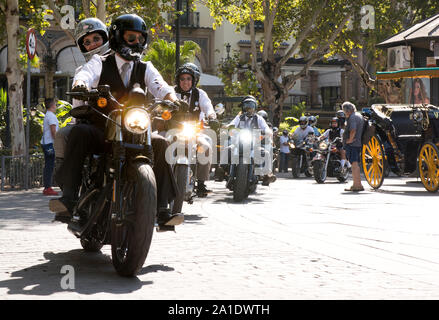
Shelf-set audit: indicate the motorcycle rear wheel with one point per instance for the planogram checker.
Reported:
(240, 186)
(131, 238)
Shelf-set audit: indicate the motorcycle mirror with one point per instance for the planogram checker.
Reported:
(219, 109)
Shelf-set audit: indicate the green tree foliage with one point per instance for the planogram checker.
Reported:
(314, 30)
(162, 55)
(237, 77)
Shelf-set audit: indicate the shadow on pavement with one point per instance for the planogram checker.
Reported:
(93, 273)
(193, 218)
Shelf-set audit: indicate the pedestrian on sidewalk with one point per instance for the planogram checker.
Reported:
(50, 127)
(352, 143)
(284, 151)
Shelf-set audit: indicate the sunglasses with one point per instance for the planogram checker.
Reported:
(95, 39)
(131, 38)
(186, 78)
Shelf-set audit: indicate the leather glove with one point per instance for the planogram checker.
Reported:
(214, 124)
(79, 86)
(181, 105)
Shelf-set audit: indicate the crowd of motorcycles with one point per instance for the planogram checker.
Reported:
(118, 194)
(315, 157)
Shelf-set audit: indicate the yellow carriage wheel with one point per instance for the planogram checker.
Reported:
(373, 162)
(428, 162)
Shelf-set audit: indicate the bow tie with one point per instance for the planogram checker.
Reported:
(186, 95)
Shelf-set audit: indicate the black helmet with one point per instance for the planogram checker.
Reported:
(263, 114)
(127, 22)
(334, 120)
(341, 117)
(303, 122)
(86, 27)
(249, 105)
(285, 132)
(188, 68)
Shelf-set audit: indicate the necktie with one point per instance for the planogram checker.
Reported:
(124, 74)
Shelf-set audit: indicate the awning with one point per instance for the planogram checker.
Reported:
(432, 72)
(210, 80)
(425, 30)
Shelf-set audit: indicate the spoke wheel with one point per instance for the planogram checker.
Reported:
(429, 166)
(372, 158)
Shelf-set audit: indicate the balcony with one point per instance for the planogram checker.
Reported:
(189, 19)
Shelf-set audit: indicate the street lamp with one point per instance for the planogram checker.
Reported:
(228, 50)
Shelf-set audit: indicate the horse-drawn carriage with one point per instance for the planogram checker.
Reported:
(402, 139)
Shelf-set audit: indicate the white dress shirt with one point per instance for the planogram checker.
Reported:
(90, 73)
(204, 102)
(262, 125)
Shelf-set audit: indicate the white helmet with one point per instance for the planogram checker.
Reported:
(84, 28)
(303, 122)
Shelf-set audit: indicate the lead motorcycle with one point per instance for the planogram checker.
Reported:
(327, 162)
(118, 197)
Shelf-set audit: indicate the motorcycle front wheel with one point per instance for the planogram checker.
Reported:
(131, 237)
(295, 170)
(240, 186)
(181, 173)
(319, 171)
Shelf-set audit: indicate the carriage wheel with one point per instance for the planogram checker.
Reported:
(373, 162)
(429, 166)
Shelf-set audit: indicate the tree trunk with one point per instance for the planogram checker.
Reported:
(15, 80)
(101, 12)
(86, 8)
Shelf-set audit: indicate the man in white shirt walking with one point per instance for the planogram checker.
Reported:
(50, 127)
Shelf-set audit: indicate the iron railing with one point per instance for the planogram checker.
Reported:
(13, 172)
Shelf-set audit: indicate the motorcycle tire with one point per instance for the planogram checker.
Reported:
(181, 173)
(240, 186)
(295, 169)
(131, 238)
(91, 245)
(319, 172)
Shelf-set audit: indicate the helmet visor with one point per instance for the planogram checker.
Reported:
(249, 107)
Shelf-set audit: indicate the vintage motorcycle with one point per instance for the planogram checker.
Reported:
(184, 148)
(242, 177)
(327, 162)
(302, 156)
(118, 196)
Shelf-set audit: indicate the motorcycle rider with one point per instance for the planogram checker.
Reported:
(248, 118)
(312, 120)
(128, 39)
(91, 38)
(341, 118)
(187, 77)
(302, 131)
(334, 132)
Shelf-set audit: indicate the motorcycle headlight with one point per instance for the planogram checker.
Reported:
(189, 130)
(136, 120)
(245, 136)
(323, 145)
